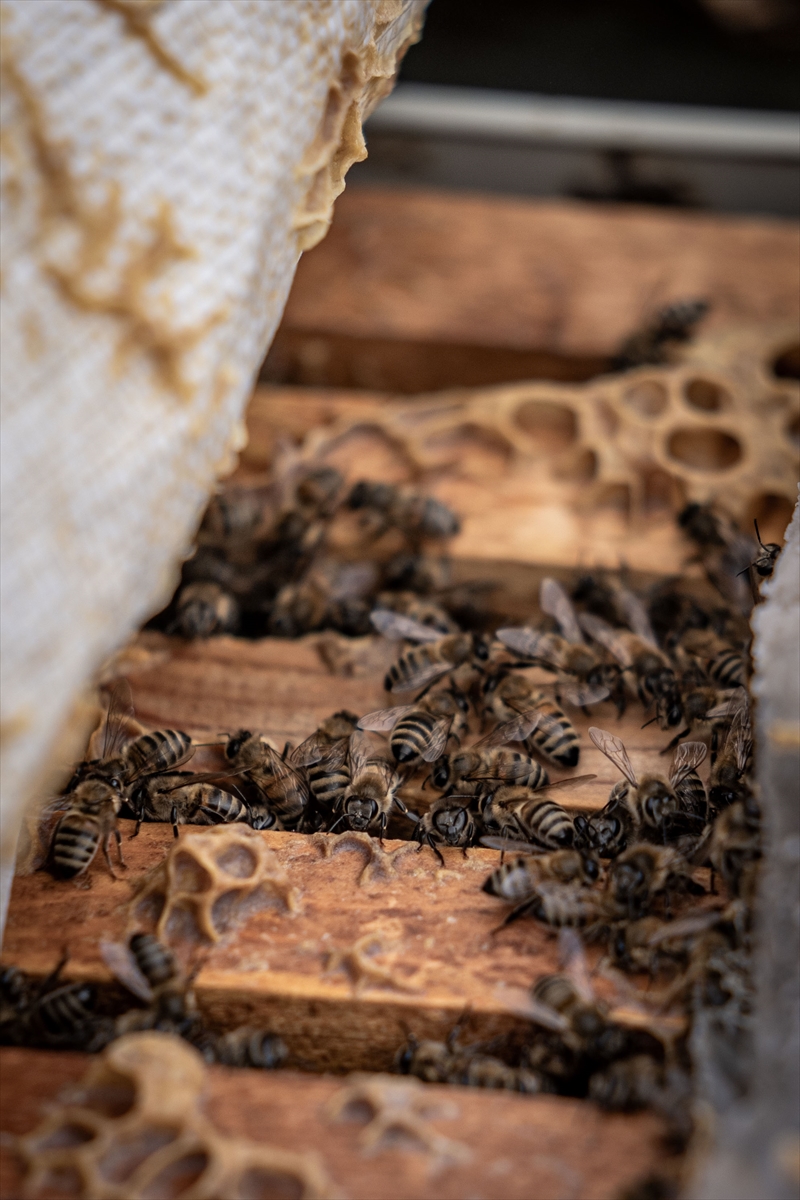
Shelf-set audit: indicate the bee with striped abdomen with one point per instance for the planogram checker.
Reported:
(420, 732)
(281, 781)
(88, 823)
(491, 759)
(185, 799)
(517, 879)
(586, 677)
(649, 674)
(554, 737)
(652, 802)
(434, 657)
(371, 794)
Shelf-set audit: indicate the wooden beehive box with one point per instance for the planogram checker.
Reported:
(427, 294)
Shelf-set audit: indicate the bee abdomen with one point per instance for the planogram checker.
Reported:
(246, 1047)
(410, 736)
(728, 669)
(549, 823)
(154, 960)
(75, 844)
(64, 1011)
(227, 807)
(327, 787)
(159, 751)
(559, 745)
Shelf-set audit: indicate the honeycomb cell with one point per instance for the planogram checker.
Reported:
(706, 395)
(551, 425)
(648, 397)
(702, 448)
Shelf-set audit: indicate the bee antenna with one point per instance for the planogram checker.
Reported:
(650, 722)
(758, 535)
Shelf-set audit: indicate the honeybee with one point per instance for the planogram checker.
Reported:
(554, 737)
(652, 801)
(628, 1084)
(445, 1062)
(204, 609)
(642, 945)
(516, 880)
(420, 732)
(735, 848)
(647, 670)
(673, 323)
(330, 594)
(54, 1015)
(88, 823)
(281, 781)
(449, 821)
(609, 830)
(184, 799)
(644, 871)
(249, 1047)
(426, 663)
(421, 609)
(587, 677)
(725, 665)
(724, 551)
(371, 794)
(414, 514)
(148, 969)
(521, 812)
(492, 759)
(122, 759)
(727, 782)
(764, 563)
(324, 758)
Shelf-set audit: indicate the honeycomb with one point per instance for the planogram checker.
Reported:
(134, 1129)
(721, 421)
(207, 880)
(396, 1111)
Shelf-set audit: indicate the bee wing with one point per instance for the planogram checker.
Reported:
(742, 736)
(603, 633)
(118, 714)
(384, 719)
(189, 779)
(425, 673)
(57, 804)
(719, 710)
(615, 751)
(361, 750)
(521, 1003)
(395, 625)
(282, 768)
(122, 965)
(582, 694)
(688, 756)
(509, 844)
(512, 770)
(527, 642)
(635, 614)
(574, 964)
(438, 740)
(516, 729)
(354, 580)
(686, 926)
(560, 783)
(555, 601)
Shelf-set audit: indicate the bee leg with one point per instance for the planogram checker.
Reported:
(215, 818)
(382, 833)
(107, 855)
(286, 750)
(435, 849)
(173, 816)
(671, 745)
(118, 837)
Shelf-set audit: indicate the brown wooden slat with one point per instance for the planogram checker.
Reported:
(568, 278)
(516, 1147)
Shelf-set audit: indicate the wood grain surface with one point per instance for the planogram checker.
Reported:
(385, 941)
(568, 278)
(505, 1147)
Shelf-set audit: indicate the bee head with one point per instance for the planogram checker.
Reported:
(360, 812)
(451, 823)
(236, 741)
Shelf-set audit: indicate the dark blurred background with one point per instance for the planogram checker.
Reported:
(682, 103)
(732, 53)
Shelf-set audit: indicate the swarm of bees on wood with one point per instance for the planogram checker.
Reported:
(464, 759)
